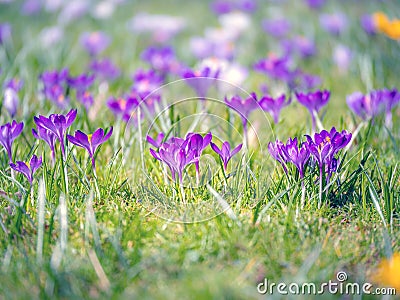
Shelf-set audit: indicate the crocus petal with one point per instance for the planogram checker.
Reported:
(207, 139)
(70, 117)
(45, 122)
(82, 138)
(226, 149)
(108, 135)
(215, 148)
(97, 137)
(75, 141)
(35, 163)
(22, 168)
(236, 150)
(17, 129)
(155, 154)
(35, 134)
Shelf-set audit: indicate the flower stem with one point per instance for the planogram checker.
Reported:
(182, 190)
(320, 186)
(224, 173)
(140, 136)
(355, 133)
(31, 195)
(117, 132)
(245, 135)
(318, 121)
(96, 184)
(313, 122)
(303, 194)
(197, 178)
(64, 175)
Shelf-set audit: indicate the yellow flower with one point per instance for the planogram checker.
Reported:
(384, 25)
(393, 29)
(388, 272)
(380, 20)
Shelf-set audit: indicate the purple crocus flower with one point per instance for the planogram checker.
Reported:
(342, 56)
(57, 124)
(95, 42)
(274, 106)
(31, 7)
(177, 153)
(324, 146)
(90, 142)
(146, 83)
(315, 4)
(104, 69)
(201, 80)
(320, 147)
(373, 104)
(221, 7)
(81, 84)
(293, 154)
(48, 136)
(51, 78)
(368, 24)
(157, 141)
(161, 59)
(302, 45)
(276, 27)
(198, 143)
(5, 32)
(366, 106)
(276, 151)
(123, 108)
(8, 133)
(275, 67)
(339, 140)
(225, 152)
(176, 156)
(314, 101)
(11, 98)
(307, 81)
(360, 104)
(15, 84)
(333, 23)
(248, 6)
(391, 98)
(201, 47)
(290, 153)
(86, 98)
(209, 46)
(244, 106)
(28, 170)
(54, 86)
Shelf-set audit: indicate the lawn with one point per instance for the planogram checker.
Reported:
(136, 162)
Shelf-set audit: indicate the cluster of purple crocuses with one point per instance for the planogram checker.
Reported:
(313, 101)
(375, 103)
(57, 83)
(50, 129)
(177, 153)
(321, 148)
